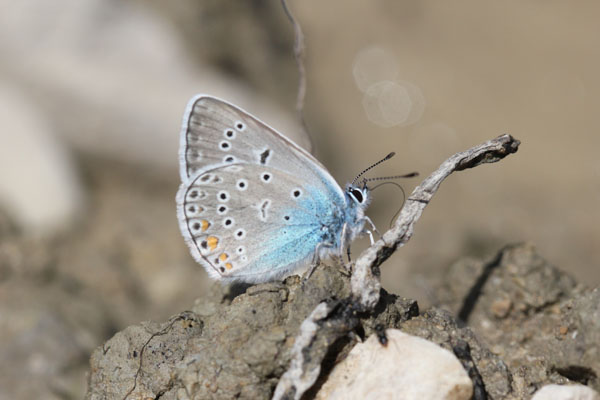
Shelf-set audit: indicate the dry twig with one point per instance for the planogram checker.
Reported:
(299, 56)
(365, 282)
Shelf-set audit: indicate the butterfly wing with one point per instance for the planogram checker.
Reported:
(254, 223)
(253, 205)
(215, 132)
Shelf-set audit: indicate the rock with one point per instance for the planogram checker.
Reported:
(46, 339)
(571, 392)
(501, 308)
(238, 346)
(538, 319)
(245, 341)
(236, 342)
(414, 367)
(39, 187)
(441, 327)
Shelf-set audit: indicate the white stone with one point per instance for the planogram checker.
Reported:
(407, 368)
(563, 392)
(39, 186)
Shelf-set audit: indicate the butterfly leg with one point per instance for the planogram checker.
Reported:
(316, 259)
(374, 229)
(370, 236)
(343, 243)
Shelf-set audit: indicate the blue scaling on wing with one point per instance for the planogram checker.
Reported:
(314, 220)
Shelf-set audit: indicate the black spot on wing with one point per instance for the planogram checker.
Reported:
(264, 156)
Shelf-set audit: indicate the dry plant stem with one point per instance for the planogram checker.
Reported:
(299, 55)
(298, 379)
(365, 284)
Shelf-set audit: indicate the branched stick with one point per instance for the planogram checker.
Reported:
(298, 378)
(365, 284)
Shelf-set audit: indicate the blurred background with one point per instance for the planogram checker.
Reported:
(92, 93)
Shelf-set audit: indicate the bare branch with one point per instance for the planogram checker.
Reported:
(298, 378)
(365, 285)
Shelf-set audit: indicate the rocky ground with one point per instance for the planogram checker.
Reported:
(516, 322)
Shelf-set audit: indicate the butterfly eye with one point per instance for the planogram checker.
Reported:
(357, 194)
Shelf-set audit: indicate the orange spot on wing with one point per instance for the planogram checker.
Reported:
(223, 257)
(228, 266)
(212, 241)
(205, 224)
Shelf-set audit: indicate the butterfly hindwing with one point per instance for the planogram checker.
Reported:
(247, 222)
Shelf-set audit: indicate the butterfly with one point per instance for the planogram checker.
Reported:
(253, 206)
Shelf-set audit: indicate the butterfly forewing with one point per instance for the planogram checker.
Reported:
(216, 132)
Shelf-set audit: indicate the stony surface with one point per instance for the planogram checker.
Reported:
(571, 392)
(441, 328)
(236, 342)
(544, 325)
(239, 345)
(46, 334)
(240, 351)
(390, 363)
(34, 165)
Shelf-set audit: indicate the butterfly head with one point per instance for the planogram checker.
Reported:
(357, 193)
(358, 196)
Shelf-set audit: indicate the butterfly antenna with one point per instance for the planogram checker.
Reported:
(403, 197)
(380, 178)
(373, 166)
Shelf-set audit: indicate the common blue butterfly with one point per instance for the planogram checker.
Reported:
(253, 206)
